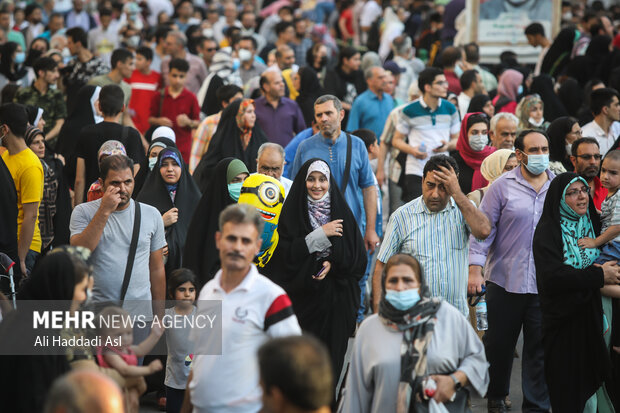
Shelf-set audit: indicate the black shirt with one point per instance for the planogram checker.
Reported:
(93, 136)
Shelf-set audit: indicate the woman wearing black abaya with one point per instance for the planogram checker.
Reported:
(148, 163)
(583, 68)
(171, 189)
(237, 136)
(543, 86)
(200, 254)
(309, 90)
(576, 357)
(319, 236)
(83, 114)
(25, 380)
(558, 55)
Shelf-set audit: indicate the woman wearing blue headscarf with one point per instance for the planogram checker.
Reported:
(575, 329)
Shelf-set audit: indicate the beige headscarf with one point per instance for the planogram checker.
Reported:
(493, 165)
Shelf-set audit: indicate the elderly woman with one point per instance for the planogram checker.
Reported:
(500, 161)
(575, 328)
(427, 336)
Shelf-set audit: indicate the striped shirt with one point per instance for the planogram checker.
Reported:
(201, 139)
(423, 126)
(439, 241)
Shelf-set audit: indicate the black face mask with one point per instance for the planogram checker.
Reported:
(323, 62)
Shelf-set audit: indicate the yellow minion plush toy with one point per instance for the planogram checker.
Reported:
(266, 194)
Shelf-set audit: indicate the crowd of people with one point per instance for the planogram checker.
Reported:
(341, 175)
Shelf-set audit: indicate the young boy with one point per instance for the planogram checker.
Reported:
(145, 84)
(178, 108)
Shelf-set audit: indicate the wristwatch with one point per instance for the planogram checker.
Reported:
(457, 383)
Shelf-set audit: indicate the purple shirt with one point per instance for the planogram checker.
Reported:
(282, 123)
(514, 208)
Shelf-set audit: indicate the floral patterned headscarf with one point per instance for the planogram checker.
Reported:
(246, 131)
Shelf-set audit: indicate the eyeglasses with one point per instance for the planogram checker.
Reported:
(266, 170)
(441, 83)
(587, 157)
(575, 192)
(210, 49)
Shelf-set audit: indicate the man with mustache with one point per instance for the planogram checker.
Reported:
(586, 159)
(253, 309)
(106, 227)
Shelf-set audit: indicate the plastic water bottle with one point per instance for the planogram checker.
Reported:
(482, 323)
(422, 147)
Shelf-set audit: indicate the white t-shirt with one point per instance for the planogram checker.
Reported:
(464, 101)
(256, 310)
(605, 140)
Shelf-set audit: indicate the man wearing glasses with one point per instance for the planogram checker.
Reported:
(270, 162)
(431, 126)
(586, 159)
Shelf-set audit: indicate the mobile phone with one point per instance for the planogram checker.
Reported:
(320, 272)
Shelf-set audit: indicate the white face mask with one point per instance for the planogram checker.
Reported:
(537, 124)
(569, 147)
(245, 55)
(478, 142)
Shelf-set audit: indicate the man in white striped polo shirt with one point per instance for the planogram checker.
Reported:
(434, 229)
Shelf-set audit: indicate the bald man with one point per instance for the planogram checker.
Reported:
(85, 391)
(270, 162)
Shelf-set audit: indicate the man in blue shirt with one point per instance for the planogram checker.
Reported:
(330, 145)
(371, 109)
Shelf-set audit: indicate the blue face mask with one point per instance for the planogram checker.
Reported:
(235, 190)
(458, 70)
(20, 57)
(520, 90)
(152, 162)
(403, 300)
(537, 164)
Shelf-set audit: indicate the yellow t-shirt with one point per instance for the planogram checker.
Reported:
(27, 172)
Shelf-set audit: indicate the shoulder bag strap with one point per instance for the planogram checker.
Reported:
(132, 251)
(347, 165)
(161, 99)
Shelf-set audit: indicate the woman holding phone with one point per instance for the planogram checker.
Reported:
(320, 258)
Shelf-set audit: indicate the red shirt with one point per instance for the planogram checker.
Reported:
(600, 193)
(454, 84)
(143, 88)
(186, 103)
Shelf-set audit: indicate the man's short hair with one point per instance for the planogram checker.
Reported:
(145, 52)
(77, 35)
(120, 55)
(346, 53)
(179, 36)
(227, 92)
(114, 163)
(250, 39)
(282, 26)
(299, 366)
(520, 140)
(575, 146)
(368, 136)
(472, 53)
(269, 145)
(31, 8)
(502, 115)
(535, 28)
(14, 115)
(450, 56)
(369, 72)
(47, 64)
(327, 98)
(436, 161)
(242, 214)
(104, 11)
(179, 64)
(427, 77)
(111, 100)
(161, 32)
(283, 49)
(467, 78)
(600, 98)
(614, 155)
(402, 44)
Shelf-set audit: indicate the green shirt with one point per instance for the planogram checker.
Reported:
(103, 80)
(52, 103)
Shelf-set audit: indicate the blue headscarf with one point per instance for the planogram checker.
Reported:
(172, 188)
(575, 227)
